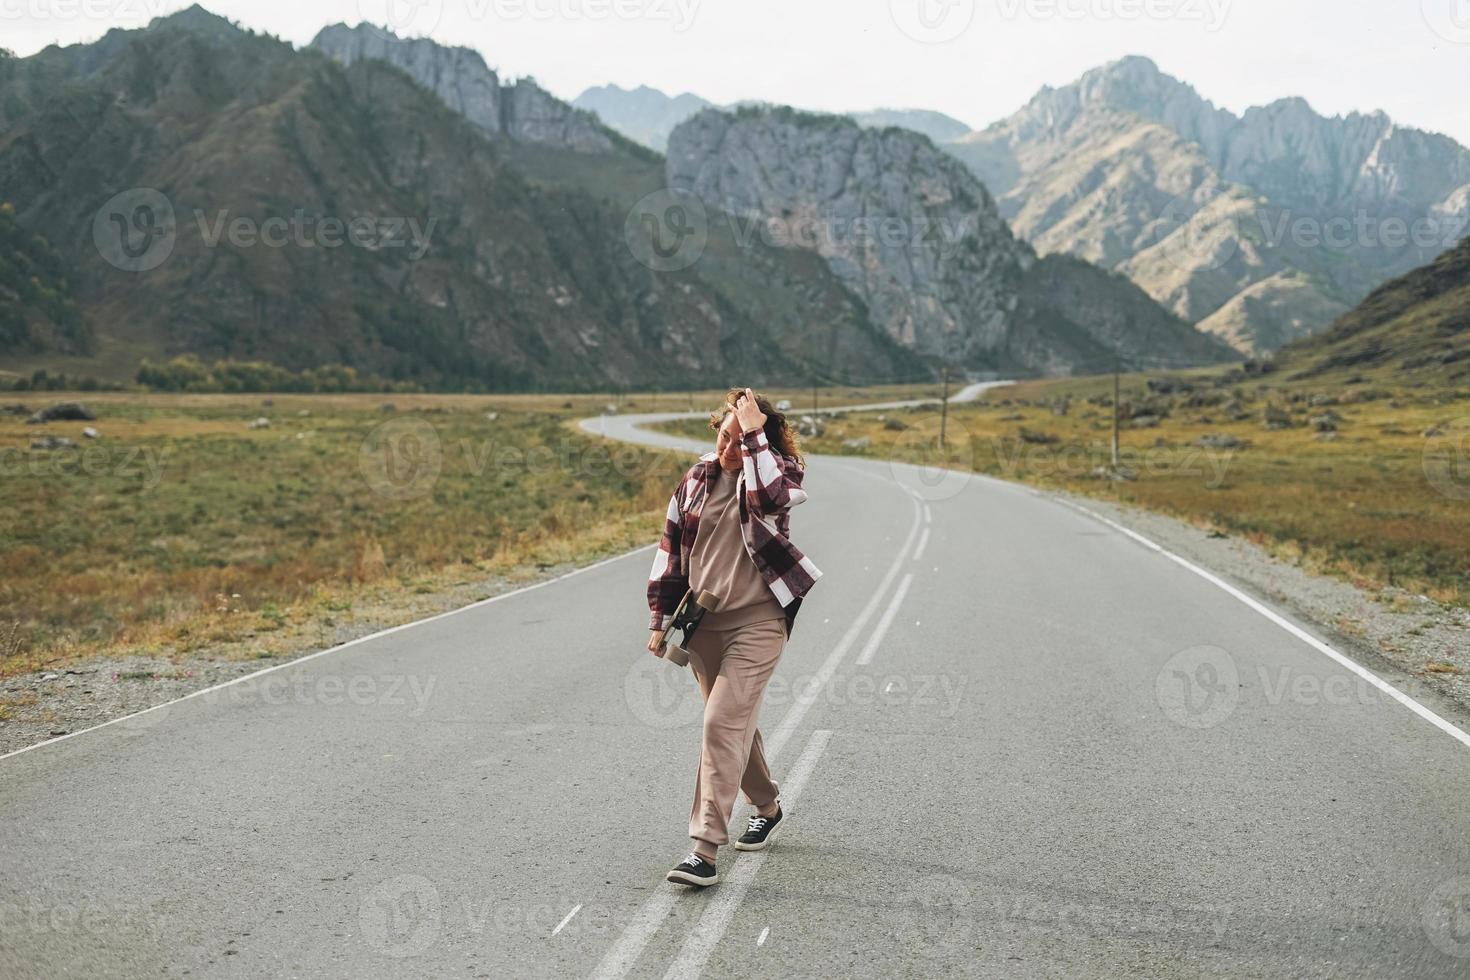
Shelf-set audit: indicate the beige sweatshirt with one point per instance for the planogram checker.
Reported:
(719, 563)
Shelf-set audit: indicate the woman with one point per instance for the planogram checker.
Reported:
(727, 533)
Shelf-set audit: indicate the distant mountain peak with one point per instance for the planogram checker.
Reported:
(199, 21)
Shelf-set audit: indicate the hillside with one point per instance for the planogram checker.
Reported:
(919, 239)
(1261, 227)
(36, 307)
(1414, 329)
(466, 274)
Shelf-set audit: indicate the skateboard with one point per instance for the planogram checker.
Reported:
(687, 618)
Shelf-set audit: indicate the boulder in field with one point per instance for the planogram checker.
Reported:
(62, 412)
(1275, 417)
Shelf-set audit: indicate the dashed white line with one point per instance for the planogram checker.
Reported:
(563, 923)
(711, 927)
(923, 541)
(764, 933)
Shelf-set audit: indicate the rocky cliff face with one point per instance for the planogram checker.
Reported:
(521, 111)
(919, 239)
(381, 230)
(1259, 227)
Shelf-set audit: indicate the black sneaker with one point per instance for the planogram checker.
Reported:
(759, 831)
(695, 870)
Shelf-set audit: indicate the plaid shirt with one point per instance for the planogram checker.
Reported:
(769, 485)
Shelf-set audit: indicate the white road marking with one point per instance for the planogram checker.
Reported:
(651, 914)
(336, 649)
(710, 929)
(562, 925)
(927, 515)
(866, 657)
(923, 541)
(829, 666)
(1450, 729)
(764, 933)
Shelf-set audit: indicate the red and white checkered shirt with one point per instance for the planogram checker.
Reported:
(769, 486)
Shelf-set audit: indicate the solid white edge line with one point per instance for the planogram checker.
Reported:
(1449, 728)
(866, 657)
(563, 923)
(650, 916)
(715, 920)
(336, 649)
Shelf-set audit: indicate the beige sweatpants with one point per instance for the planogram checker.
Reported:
(733, 667)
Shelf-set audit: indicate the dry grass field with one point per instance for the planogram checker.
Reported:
(1365, 481)
(182, 531)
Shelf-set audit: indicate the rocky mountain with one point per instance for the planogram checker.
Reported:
(644, 115)
(1260, 227)
(935, 125)
(1416, 326)
(520, 111)
(647, 116)
(908, 229)
(212, 191)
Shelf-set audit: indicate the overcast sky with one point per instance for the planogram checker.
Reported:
(977, 60)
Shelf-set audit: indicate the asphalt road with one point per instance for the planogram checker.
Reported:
(1014, 741)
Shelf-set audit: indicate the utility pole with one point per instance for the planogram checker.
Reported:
(1117, 369)
(944, 408)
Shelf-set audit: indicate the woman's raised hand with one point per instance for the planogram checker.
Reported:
(748, 413)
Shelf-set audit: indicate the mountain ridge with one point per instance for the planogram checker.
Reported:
(956, 284)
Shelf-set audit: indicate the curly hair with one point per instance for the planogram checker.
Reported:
(779, 431)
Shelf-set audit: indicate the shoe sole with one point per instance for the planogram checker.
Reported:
(685, 878)
(742, 846)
